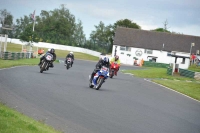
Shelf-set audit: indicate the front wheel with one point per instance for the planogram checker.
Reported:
(68, 66)
(43, 66)
(111, 73)
(99, 82)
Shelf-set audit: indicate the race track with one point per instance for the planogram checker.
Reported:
(125, 104)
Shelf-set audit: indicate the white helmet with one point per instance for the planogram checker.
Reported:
(49, 49)
(71, 52)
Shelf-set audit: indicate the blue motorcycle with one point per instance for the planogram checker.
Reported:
(99, 78)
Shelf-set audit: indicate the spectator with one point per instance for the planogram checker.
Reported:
(193, 57)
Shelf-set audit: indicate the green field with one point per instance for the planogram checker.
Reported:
(187, 86)
(12, 121)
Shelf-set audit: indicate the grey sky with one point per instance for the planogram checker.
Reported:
(183, 16)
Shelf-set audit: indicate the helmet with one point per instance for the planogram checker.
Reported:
(49, 50)
(116, 57)
(52, 50)
(71, 52)
(105, 59)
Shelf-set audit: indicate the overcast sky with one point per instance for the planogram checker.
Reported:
(183, 16)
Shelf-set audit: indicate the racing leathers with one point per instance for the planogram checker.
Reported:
(100, 63)
(51, 64)
(69, 56)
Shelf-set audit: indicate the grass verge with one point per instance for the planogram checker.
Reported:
(12, 121)
(12, 63)
(178, 83)
(191, 89)
(155, 73)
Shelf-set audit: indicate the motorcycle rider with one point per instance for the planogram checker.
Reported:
(70, 55)
(51, 51)
(116, 60)
(103, 61)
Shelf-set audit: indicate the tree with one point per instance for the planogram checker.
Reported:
(161, 30)
(6, 19)
(57, 26)
(127, 23)
(79, 36)
(101, 37)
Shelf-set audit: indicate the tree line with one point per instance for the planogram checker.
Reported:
(61, 27)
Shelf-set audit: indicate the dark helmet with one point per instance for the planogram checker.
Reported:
(116, 57)
(52, 50)
(105, 59)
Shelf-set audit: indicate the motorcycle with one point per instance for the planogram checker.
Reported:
(68, 63)
(46, 62)
(99, 78)
(114, 67)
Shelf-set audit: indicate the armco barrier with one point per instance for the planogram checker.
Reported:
(169, 71)
(154, 64)
(186, 73)
(14, 56)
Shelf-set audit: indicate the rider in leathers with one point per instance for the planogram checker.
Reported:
(104, 61)
(70, 55)
(52, 51)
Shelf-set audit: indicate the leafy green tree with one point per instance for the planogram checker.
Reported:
(21, 25)
(6, 19)
(101, 37)
(127, 23)
(161, 30)
(79, 36)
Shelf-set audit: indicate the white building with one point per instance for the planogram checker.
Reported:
(154, 46)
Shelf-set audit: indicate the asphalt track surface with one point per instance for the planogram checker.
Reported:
(125, 104)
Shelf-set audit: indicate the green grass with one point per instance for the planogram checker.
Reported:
(12, 121)
(178, 83)
(194, 68)
(191, 89)
(12, 63)
(151, 72)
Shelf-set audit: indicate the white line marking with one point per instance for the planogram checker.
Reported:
(171, 89)
(13, 67)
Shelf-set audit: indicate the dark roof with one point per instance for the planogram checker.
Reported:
(155, 40)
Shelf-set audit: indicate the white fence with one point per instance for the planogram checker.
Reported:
(57, 46)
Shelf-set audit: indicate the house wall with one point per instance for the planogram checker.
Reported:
(162, 56)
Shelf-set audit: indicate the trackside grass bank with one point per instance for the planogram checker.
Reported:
(187, 86)
(12, 121)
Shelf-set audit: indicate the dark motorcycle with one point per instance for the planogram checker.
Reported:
(68, 63)
(46, 62)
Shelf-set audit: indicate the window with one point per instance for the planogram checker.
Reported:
(169, 54)
(125, 48)
(183, 61)
(128, 48)
(148, 51)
